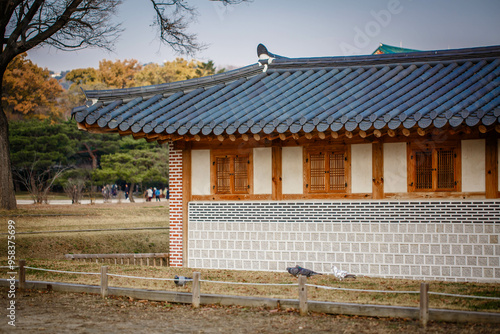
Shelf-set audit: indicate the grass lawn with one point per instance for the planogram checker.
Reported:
(46, 250)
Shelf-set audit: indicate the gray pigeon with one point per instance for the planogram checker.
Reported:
(293, 271)
(298, 270)
(181, 280)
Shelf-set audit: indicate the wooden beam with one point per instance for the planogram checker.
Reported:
(348, 134)
(335, 135)
(406, 132)
(220, 138)
(483, 129)
(282, 136)
(244, 137)
(421, 132)
(256, 136)
(391, 133)
(197, 137)
(295, 136)
(491, 167)
(377, 133)
(232, 137)
(321, 135)
(497, 128)
(308, 135)
(362, 134)
(378, 170)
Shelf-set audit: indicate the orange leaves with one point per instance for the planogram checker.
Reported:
(29, 91)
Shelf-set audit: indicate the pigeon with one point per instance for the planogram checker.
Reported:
(181, 280)
(293, 270)
(298, 270)
(341, 274)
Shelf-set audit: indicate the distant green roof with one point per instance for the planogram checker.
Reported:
(384, 48)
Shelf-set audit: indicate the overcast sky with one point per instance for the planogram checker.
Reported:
(294, 28)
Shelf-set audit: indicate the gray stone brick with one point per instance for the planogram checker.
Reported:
(482, 261)
(460, 260)
(471, 260)
(488, 272)
(375, 270)
(483, 239)
(436, 271)
(477, 272)
(455, 271)
(467, 249)
(453, 238)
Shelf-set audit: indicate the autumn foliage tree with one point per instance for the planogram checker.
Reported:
(29, 91)
(73, 25)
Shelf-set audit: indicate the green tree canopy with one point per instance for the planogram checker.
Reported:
(135, 166)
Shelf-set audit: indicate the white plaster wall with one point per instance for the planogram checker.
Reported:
(361, 168)
(200, 172)
(292, 170)
(262, 170)
(473, 165)
(395, 170)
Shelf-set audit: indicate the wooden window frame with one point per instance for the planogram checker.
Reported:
(232, 154)
(312, 150)
(433, 148)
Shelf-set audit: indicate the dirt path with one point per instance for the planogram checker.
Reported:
(49, 312)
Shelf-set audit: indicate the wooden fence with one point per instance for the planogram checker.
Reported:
(423, 313)
(148, 259)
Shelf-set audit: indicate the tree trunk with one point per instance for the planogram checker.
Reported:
(131, 192)
(92, 156)
(7, 195)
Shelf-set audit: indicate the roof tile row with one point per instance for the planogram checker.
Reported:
(311, 94)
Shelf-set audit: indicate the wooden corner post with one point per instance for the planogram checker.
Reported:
(424, 304)
(104, 281)
(303, 295)
(22, 275)
(378, 170)
(196, 289)
(491, 167)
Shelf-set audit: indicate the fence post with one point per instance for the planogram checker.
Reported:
(303, 295)
(424, 304)
(104, 281)
(22, 275)
(196, 289)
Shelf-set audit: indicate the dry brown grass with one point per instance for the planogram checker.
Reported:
(47, 251)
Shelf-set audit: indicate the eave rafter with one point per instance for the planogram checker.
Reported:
(370, 135)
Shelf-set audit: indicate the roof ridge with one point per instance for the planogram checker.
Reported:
(383, 59)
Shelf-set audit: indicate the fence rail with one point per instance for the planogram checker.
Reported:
(147, 259)
(423, 312)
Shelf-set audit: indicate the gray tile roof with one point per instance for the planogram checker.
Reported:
(291, 95)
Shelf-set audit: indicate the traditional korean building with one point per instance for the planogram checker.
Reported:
(383, 165)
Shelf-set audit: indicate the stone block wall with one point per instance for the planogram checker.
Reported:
(455, 240)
